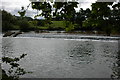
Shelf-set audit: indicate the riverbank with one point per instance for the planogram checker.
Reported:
(15, 33)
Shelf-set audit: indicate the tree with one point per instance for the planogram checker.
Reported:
(46, 9)
(115, 16)
(7, 21)
(100, 17)
(81, 16)
(22, 13)
(67, 12)
(23, 23)
(66, 9)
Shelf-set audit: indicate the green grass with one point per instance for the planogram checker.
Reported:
(58, 24)
(42, 28)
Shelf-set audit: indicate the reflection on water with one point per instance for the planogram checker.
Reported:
(59, 58)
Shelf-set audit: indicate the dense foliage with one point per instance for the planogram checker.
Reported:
(103, 18)
(11, 22)
(8, 21)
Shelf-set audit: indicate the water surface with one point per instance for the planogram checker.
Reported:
(63, 57)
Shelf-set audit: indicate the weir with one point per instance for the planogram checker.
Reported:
(68, 36)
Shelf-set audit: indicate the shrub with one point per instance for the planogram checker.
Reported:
(24, 26)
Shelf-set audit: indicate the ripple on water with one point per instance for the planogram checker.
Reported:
(63, 58)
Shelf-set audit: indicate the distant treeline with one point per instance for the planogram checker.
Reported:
(101, 18)
(12, 22)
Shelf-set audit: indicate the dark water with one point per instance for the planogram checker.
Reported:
(63, 57)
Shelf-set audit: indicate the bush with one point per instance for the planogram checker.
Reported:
(69, 27)
(24, 26)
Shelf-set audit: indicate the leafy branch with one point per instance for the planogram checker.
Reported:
(15, 70)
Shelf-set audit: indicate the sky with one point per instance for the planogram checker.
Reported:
(13, 6)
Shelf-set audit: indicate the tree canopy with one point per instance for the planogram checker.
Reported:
(103, 17)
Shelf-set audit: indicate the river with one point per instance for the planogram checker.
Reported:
(64, 55)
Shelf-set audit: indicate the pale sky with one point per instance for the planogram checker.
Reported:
(13, 6)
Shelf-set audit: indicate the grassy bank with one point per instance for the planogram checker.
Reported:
(55, 25)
